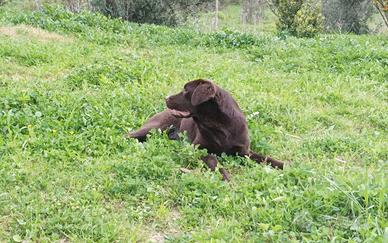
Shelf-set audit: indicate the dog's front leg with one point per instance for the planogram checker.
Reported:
(211, 161)
(162, 120)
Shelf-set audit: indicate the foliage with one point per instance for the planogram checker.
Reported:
(67, 173)
(228, 38)
(166, 12)
(308, 20)
(298, 17)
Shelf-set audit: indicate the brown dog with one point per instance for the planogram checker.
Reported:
(212, 120)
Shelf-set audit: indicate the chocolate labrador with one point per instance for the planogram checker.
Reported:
(212, 120)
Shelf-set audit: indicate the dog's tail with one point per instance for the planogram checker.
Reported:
(265, 159)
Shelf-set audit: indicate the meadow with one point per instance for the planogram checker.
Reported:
(71, 85)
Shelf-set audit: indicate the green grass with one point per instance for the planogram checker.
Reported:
(67, 173)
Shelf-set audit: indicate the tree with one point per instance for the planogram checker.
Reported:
(382, 8)
(252, 10)
(346, 15)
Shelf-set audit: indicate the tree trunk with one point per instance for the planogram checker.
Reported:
(216, 17)
(346, 16)
(252, 11)
(38, 5)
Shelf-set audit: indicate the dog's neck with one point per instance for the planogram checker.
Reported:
(221, 109)
(210, 122)
(207, 112)
(209, 116)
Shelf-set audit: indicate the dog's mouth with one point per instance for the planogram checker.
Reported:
(180, 114)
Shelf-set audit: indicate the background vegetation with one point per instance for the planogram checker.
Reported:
(71, 84)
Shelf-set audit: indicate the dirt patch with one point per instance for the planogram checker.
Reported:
(36, 33)
(172, 229)
(157, 237)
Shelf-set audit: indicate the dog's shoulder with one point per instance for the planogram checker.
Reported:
(227, 104)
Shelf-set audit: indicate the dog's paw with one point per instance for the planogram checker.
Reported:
(180, 114)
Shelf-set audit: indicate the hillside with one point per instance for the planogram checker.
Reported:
(72, 85)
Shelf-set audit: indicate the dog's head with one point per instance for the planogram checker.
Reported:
(195, 93)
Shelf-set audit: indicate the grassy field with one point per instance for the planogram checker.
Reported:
(72, 85)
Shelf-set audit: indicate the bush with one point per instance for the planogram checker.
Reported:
(297, 17)
(230, 39)
(167, 12)
(308, 20)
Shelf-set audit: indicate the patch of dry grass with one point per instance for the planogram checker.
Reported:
(32, 32)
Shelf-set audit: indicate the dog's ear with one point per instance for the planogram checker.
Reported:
(204, 92)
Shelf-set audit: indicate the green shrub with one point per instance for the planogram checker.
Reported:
(297, 17)
(230, 39)
(308, 20)
(149, 11)
(166, 12)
